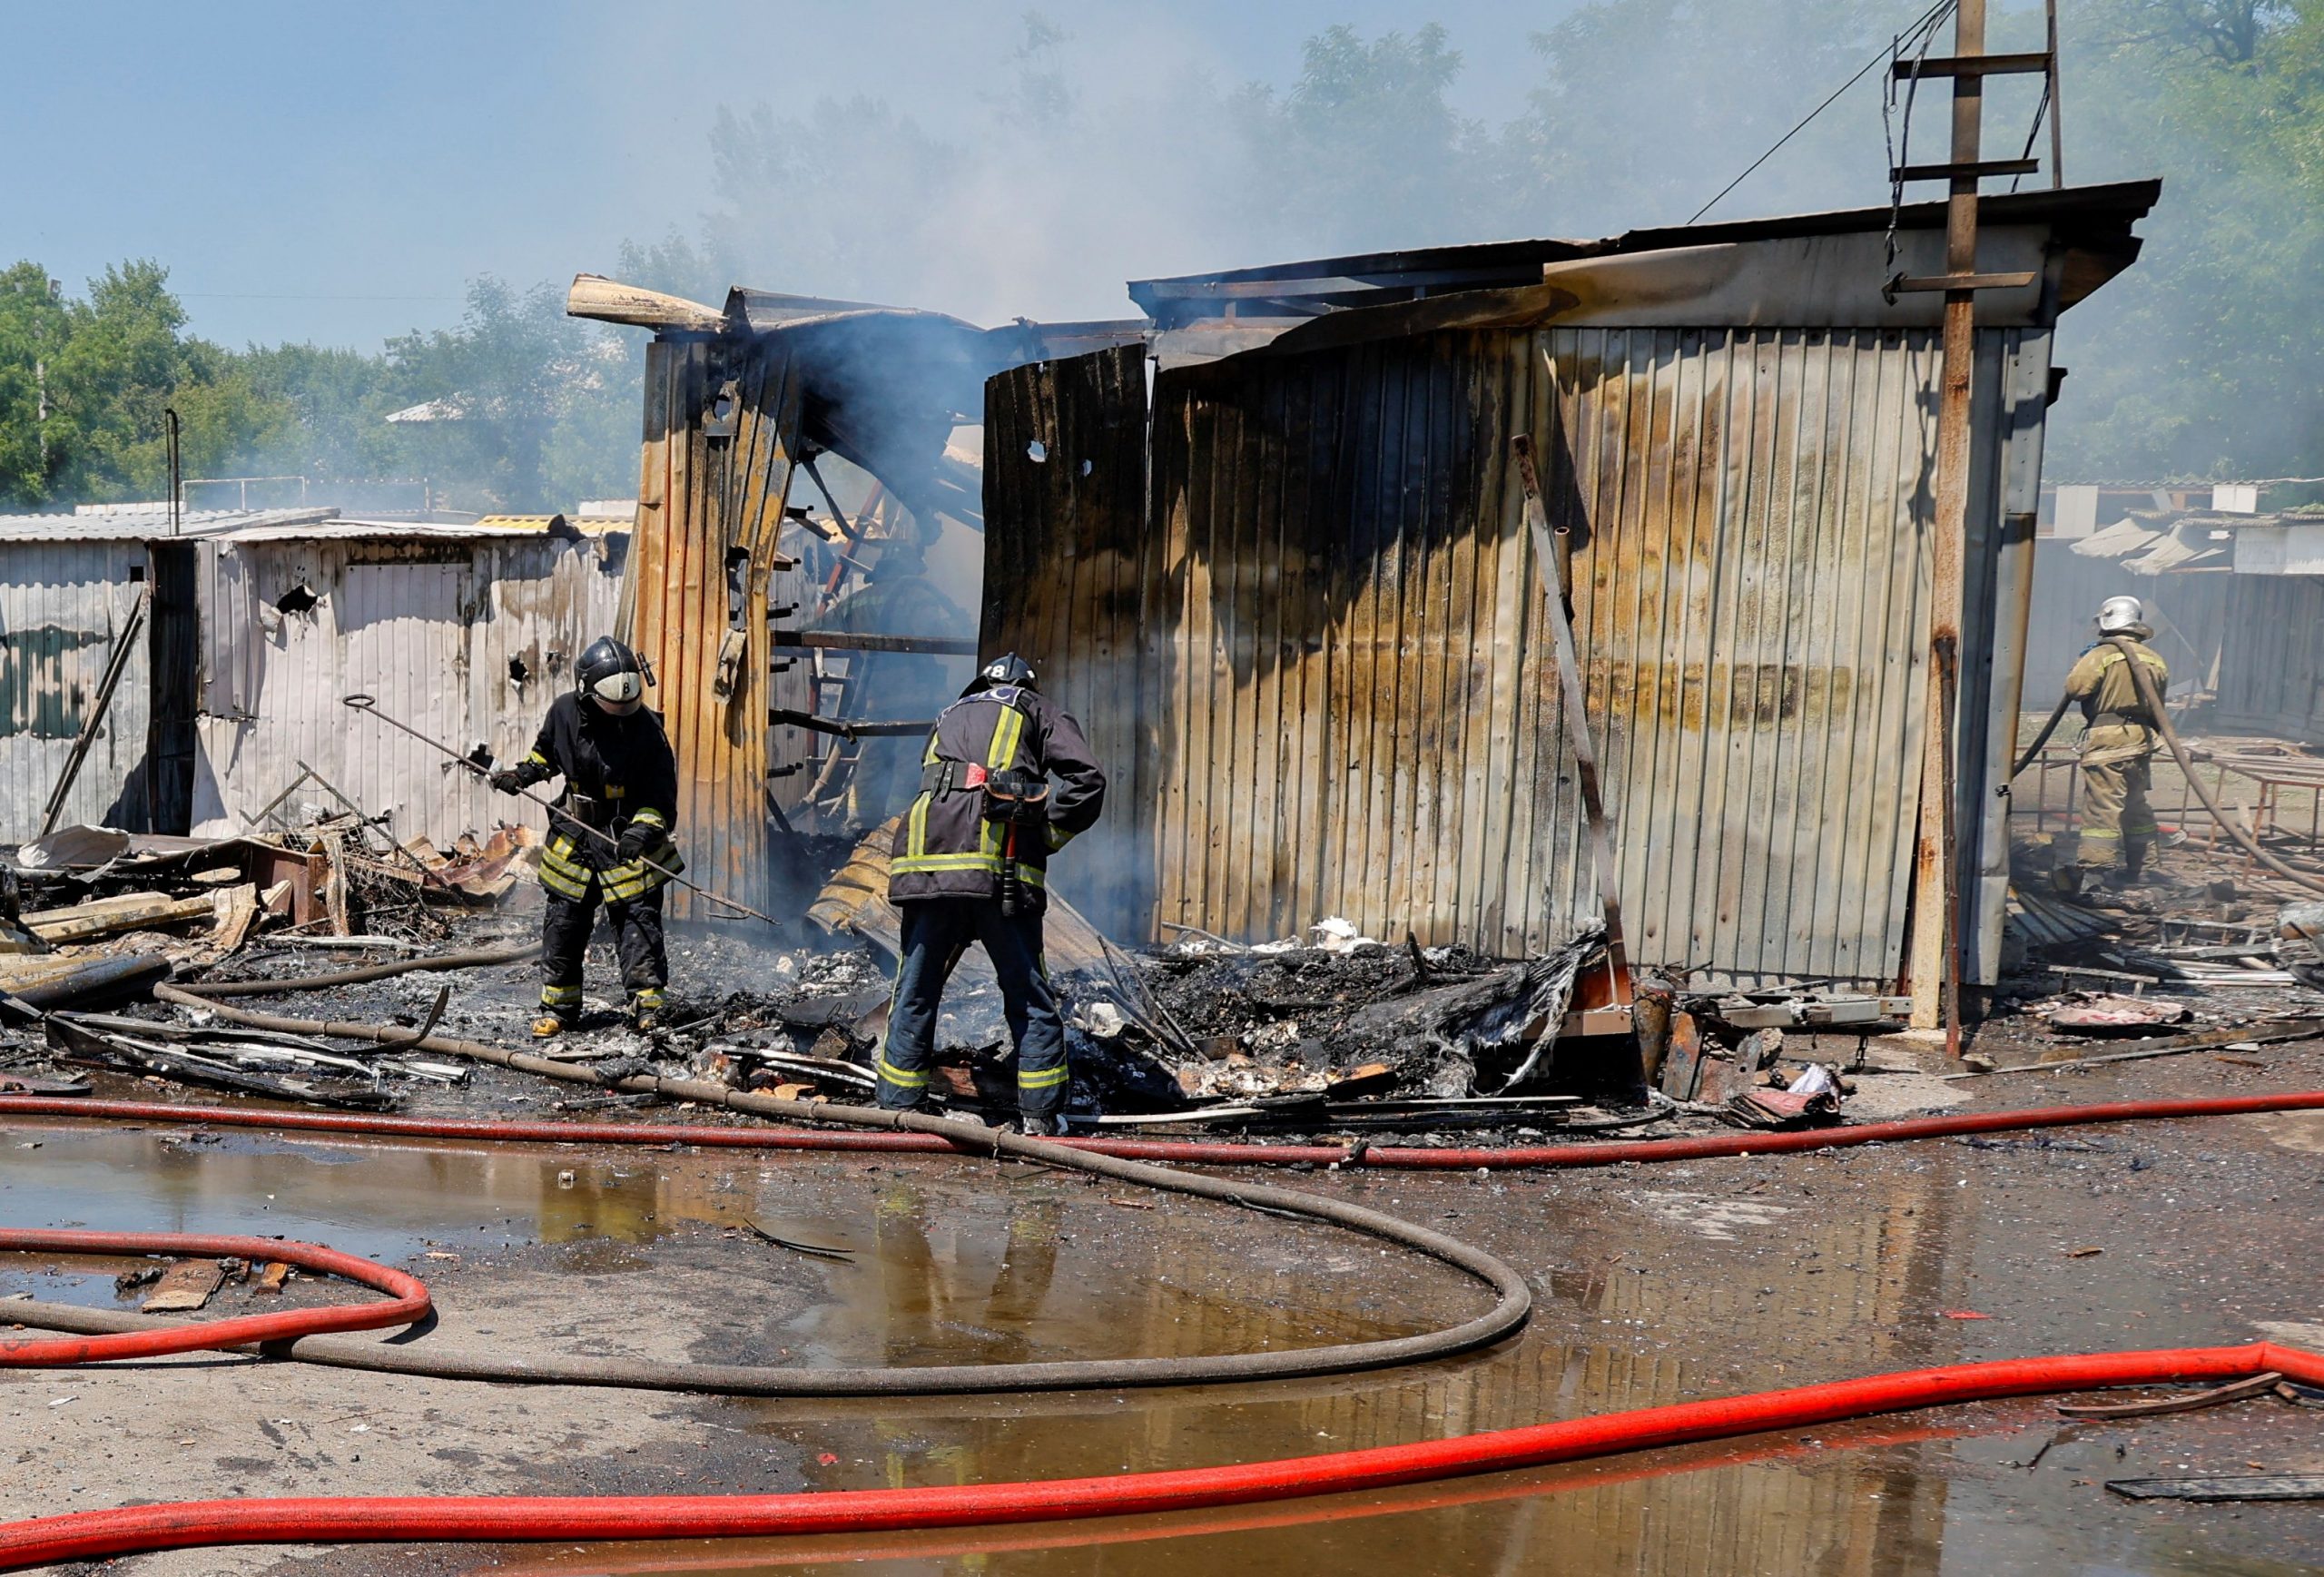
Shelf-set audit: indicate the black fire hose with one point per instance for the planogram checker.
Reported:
(2040, 739)
(1512, 1302)
(2249, 845)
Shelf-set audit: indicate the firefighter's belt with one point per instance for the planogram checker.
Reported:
(945, 777)
(590, 812)
(2121, 719)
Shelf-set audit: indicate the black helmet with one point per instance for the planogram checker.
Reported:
(612, 677)
(1008, 668)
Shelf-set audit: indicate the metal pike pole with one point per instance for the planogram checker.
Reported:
(370, 704)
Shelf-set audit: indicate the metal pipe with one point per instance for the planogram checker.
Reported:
(380, 972)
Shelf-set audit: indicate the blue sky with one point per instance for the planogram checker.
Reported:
(338, 173)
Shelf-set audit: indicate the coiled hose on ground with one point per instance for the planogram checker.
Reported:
(99, 1535)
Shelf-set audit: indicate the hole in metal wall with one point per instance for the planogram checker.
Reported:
(518, 672)
(1087, 466)
(1037, 451)
(301, 598)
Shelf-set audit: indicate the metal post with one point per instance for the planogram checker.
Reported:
(2057, 129)
(1936, 932)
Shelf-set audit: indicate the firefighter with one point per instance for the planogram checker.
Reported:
(621, 779)
(2118, 742)
(968, 864)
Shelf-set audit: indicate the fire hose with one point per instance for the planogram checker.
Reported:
(501, 1519)
(100, 1534)
(2152, 700)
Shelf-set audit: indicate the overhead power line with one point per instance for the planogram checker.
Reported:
(1927, 18)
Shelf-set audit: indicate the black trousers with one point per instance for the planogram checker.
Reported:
(936, 933)
(637, 937)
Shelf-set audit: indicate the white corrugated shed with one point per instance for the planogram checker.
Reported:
(63, 606)
(466, 634)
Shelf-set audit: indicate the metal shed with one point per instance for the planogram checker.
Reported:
(1307, 627)
(70, 586)
(465, 632)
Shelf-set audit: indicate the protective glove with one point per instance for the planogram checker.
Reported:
(510, 780)
(635, 839)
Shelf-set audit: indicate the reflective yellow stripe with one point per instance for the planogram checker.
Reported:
(1058, 836)
(1043, 1081)
(916, 829)
(559, 996)
(895, 1075)
(651, 817)
(1007, 730)
(538, 759)
(920, 862)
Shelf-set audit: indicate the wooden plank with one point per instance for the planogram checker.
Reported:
(105, 916)
(184, 1286)
(610, 302)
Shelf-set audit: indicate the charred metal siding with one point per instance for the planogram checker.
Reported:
(1066, 585)
(62, 608)
(1344, 700)
(468, 639)
(710, 511)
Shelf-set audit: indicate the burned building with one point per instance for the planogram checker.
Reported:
(1268, 542)
(230, 638)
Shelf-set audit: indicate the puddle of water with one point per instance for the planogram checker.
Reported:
(1641, 1306)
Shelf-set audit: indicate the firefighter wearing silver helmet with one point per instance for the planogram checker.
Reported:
(621, 779)
(2117, 743)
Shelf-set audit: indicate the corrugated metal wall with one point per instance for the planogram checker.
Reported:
(2271, 664)
(62, 605)
(465, 639)
(1069, 586)
(710, 511)
(1345, 699)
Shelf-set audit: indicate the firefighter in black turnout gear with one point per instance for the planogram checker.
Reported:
(970, 864)
(621, 779)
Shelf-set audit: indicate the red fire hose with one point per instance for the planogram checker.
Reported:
(131, 1529)
(407, 1298)
(1596, 1153)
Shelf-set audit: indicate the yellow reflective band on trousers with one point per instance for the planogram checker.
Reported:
(900, 1076)
(1044, 1080)
(560, 996)
(624, 883)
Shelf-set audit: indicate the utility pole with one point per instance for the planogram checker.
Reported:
(1937, 928)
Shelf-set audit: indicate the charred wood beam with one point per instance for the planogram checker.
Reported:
(848, 641)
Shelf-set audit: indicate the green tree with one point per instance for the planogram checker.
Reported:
(510, 409)
(33, 328)
(1366, 152)
(2207, 359)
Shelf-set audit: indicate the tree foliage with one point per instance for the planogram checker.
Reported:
(526, 408)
